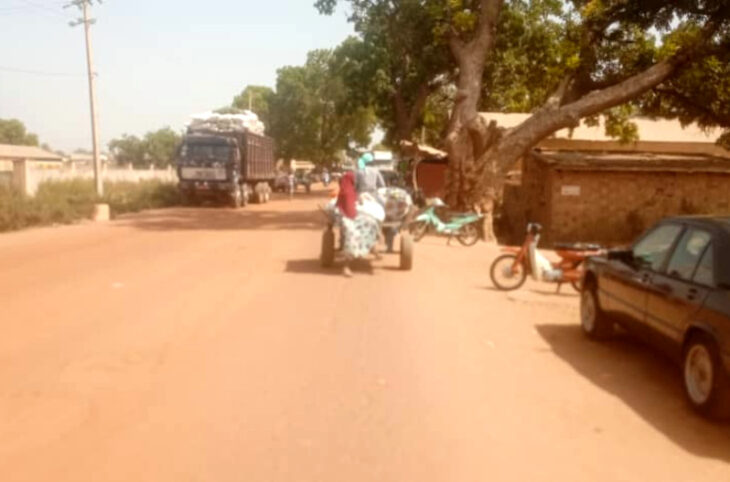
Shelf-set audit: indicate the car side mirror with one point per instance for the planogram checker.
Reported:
(625, 256)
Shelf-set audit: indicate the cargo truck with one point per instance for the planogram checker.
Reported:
(232, 166)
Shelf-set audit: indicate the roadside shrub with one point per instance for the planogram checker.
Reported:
(15, 209)
(126, 197)
(65, 202)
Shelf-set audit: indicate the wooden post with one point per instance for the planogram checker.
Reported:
(21, 176)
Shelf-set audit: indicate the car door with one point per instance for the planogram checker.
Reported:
(626, 283)
(678, 292)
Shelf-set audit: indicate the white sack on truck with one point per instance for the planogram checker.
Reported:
(211, 121)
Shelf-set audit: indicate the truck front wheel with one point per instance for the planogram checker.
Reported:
(237, 197)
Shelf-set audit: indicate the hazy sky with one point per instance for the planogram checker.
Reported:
(158, 61)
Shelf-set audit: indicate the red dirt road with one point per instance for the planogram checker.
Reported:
(207, 345)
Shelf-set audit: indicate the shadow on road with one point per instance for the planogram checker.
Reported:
(182, 219)
(647, 382)
(313, 266)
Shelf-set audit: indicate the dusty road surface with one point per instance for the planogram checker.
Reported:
(207, 345)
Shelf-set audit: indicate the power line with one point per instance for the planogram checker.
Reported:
(43, 8)
(39, 72)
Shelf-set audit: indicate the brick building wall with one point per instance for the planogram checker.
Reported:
(605, 205)
(614, 207)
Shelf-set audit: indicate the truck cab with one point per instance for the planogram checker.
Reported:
(209, 167)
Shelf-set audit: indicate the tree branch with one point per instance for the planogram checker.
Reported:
(548, 120)
(717, 118)
(487, 26)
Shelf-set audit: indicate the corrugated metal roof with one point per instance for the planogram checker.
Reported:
(422, 149)
(639, 161)
(10, 152)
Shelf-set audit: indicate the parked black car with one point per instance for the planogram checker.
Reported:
(671, 288)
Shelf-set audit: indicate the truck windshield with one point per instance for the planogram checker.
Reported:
(218, 152)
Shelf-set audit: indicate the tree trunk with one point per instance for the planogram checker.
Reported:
(464, 177)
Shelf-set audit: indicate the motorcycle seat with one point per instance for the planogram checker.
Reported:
(577, 246)
(445, 213)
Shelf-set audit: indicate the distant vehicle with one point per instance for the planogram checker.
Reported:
(671, 288)
(281, 183)
(303, 178)
(231, 166)
(392, 178)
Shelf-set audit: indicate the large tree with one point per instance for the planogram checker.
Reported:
(312, 116)
(12, 131)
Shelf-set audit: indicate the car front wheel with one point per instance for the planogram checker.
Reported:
(706, 383)
(593, 320)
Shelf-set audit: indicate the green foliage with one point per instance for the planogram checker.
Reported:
(260, 98)
(128, 150)
(544, 49)
(312, 114)
(395, 62)
(157, 148)
(12, 131)
(65, 202)
(700, 93)
(531, 55)
(436, 115)
(160, 146)
(599, 43)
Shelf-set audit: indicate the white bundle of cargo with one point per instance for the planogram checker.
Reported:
(210, 121)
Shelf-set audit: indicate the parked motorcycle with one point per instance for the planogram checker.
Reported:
(464, 226)
(509, 271)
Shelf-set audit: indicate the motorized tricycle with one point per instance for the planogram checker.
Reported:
(437, 218)
(509, 271)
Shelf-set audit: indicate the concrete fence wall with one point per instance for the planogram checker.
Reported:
(27, 179)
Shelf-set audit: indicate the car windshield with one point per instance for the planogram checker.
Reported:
(652, 250)
(195, 151)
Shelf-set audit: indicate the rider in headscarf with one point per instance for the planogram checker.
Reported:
(368, 178)
(347, 198)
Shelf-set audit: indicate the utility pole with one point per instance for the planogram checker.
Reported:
(84, 5)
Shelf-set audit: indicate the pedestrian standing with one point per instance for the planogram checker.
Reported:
(292, 184)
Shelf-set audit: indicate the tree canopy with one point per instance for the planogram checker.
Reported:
(156, 148)
(13, 131)
(312, 114)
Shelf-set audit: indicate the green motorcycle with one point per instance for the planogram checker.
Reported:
(466, 227)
